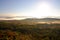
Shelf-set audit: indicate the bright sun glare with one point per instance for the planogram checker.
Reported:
(42, 9)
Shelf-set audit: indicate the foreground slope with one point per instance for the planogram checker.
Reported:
(17, 30)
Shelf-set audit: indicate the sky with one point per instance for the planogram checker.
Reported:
(21, 9)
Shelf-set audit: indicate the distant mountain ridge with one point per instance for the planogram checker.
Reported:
(42, 19)
(33, 21)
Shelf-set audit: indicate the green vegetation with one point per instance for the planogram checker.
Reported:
(15, 31)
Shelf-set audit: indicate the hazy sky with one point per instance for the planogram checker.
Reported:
(19, 9)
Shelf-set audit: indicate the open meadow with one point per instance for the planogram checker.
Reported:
(14, 31)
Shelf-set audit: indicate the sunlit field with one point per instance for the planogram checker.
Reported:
(15, 30)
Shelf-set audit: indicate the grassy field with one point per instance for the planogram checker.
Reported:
(16, 31)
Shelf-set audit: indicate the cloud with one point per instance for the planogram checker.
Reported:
(6, 17)
(13, 17)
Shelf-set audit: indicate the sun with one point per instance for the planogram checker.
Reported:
(42, 9)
